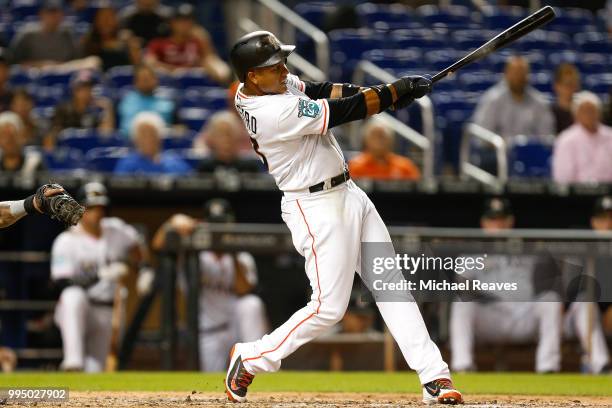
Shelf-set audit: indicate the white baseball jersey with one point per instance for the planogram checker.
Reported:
(290, 133)
(217, 297)
(76, 252)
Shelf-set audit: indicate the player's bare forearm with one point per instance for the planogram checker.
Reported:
(241, 284)
(7, 217)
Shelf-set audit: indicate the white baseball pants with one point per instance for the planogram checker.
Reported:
(86, 330)
(327, 228)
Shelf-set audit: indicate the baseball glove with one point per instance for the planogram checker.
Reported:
(60, 206)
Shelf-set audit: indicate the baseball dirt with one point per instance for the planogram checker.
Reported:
(310, 400)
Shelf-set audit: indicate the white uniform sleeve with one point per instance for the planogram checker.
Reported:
(123, 235)
(250, 267)
(63, 261)
(301, 116)
(293, 81)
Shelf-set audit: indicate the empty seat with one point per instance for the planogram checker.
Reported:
(178, 140)
(545, 41)
(104, 159)
(192, 157)
(594, 42)
(20, 76)
(440, 59)
(85, 140)
(397, 60)
(529, 158)
(315, 12)
(498, 18)
(120, 77)
(193, 78)
(193, 118)
(350, 44)
(478, 81)
(393, 13)
(64, 158)
(54, 78)
(571, 20)
(421, 38)
(449, 16)
(599, 83)
(21, 9)
(471, 39)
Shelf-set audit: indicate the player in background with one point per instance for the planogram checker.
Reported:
(13, 211)
(229, 311)
(289, 122)
(87, 261)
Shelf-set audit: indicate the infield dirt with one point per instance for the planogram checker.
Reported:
(314, 400)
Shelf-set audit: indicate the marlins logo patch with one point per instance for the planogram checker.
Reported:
(308, 108)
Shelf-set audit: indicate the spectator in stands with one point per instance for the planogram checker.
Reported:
(582, 152)
(83, 110)
(5, 91)
(512, 107)
(105, 41)
(377, 161)
(143, 98)
(146, 19)
(13, 157)
(33, 126)
(567, 83)
(221, 134)
(147, 130)
(184, 49)
(48, 43)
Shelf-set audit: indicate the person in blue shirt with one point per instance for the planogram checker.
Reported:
(143, 98)
(148, 158)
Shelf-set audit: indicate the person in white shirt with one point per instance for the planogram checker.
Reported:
(289, 122)
(229, 311)
(87, 261)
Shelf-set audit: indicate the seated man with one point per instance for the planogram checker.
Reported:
(13, 157)
(147, 130)
(48, 44)
(83, 110)
(229, 312)
(221, 134)
(184, 49)
(582, 152)
(87, 262)
(507, 319)
(143, 98)
(378, 160)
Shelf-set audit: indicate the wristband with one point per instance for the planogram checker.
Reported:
(17, 208)
(28, 204)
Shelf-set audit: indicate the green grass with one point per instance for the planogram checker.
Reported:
(367, 382)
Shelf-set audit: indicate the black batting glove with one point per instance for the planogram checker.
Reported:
(421, 86)
(410, 88)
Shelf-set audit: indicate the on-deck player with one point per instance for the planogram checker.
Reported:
(289, 123)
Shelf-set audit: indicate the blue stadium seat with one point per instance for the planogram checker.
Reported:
(453, 17)
(347, 47)
(542, 81)
(21, 9)
(599, 83)
(44, 112)
(208, 98)
(85, 140)
(104, 159)
(193, 78)
(64, 158)
(396, 60)
(529, 158)
(315, 12)
(193, 118)
(49, 96)
(20, 76)
(571, 20)
(594, 42)
(471, 39)
(440, 59)
(591, 63)
(54, 78)
(537, 60)
(478, 81)
(386, 26)
(179, 140)
(192, 157)
(545, 41)
(120, 77)
(393, 13)
(498, 18)
(421, 38)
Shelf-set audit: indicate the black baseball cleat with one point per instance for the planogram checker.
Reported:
(237, 379)
(441, 391)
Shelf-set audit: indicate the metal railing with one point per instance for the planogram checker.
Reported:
(467, 169)
(261, 10)
(424, 142)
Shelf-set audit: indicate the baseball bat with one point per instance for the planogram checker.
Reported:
(520, 29)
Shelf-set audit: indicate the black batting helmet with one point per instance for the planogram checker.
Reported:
(257, 50)
(218, 210)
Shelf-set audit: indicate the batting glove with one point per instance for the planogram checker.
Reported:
(421, 86)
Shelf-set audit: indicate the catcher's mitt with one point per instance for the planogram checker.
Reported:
(60, 206)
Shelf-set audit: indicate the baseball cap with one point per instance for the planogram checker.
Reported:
(93, 194)
(602, 205)
(496, 208)
(184, 10)
(52, 5)
(83, 77)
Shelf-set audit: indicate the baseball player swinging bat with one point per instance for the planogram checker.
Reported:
(520, 29)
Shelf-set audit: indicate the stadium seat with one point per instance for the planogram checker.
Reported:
(85, 140)
(347, 47)
(468, 40)
(594, 42)
(392, 13)
(498, 18)
(591, 63)
(440, 59)
(192, 157)
(387, 26)
(104, 159)
(396, 60)
(54, 78)
(545, 41)
(571, 20)
(178, 140)
(315, 12)
(478, 81)
(64, 158)
(542, 81)
(21, 9)
(20, 76)
(49, 96)
(120, 77)
(529, 158)
(193, 118)
(421, 38)
(193, 78)
(453, 17)
(207, 97)
(599, 83)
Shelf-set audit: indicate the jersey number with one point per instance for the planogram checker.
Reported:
(260, 154)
